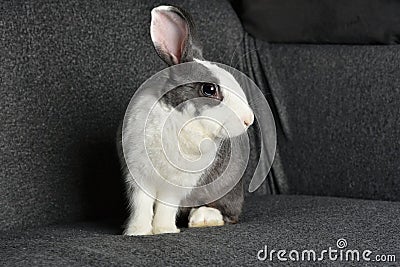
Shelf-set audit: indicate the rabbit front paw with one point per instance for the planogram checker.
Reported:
(165, 230)
(134, 231)
(205, 216)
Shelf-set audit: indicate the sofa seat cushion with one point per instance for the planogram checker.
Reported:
(280, 222)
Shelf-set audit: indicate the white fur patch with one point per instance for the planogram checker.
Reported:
(204, 217)
(137, 230)
(234, 99)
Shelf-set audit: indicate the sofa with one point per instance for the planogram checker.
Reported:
(68, 70)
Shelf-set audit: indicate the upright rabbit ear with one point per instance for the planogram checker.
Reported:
(172, 32)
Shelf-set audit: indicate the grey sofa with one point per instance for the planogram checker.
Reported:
(68, 71)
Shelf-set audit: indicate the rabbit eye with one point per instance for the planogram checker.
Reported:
(211, 90)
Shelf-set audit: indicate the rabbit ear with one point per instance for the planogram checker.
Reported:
(170, 31)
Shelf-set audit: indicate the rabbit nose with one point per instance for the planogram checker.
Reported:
(248, 120)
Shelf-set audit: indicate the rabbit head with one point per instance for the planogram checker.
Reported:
(217, 101)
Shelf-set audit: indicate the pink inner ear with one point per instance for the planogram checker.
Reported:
(169, 32)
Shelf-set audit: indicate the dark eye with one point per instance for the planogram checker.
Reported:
(211, 90)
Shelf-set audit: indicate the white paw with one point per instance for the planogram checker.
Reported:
(205, 216)
(132, 231)
(165, 230)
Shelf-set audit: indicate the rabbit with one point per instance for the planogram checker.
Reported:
(174, 38)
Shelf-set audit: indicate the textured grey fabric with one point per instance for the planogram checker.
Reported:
(280, 222)
(68, 70)
(337, 110)
(321, 22)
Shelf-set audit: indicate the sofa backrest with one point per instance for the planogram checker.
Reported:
(68, 70)
(337, 110)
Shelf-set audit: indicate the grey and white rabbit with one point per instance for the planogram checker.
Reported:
(221, 108)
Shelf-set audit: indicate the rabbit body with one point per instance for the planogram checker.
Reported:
(162, 151)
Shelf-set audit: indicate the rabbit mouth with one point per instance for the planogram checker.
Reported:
(231, 130)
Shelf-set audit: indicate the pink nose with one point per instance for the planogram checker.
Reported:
(248, 120)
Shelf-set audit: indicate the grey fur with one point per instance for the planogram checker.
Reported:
(182, 93)
(230, 205)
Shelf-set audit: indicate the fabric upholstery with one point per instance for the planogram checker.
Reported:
(68, 70)
(280, 222)
(337, 114)
(321, 22)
